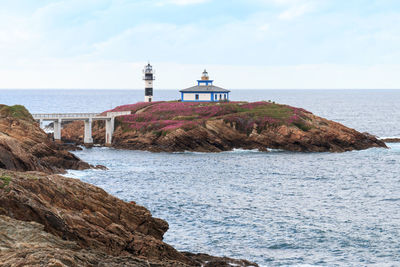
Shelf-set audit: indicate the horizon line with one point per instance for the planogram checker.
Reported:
(170, 89)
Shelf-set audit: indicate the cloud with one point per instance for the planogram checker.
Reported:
(181, 2)
(296, 10)
(264, 27)
(293, 8)
(288, 2)
(66, 42)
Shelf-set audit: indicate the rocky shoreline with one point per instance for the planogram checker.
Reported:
(50, 220)
(178, 127)
(84, 225)
(25, 147)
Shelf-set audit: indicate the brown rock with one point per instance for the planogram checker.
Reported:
(27, 244)
(211, 261)
(72, 132)
(391, 140)
(95, 227)
(218, 136)
(309, 133)
(26, 147)
(87, 215)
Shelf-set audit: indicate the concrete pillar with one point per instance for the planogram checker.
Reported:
(87, 138)
(41, 123)
(57, 129)
(109, 130)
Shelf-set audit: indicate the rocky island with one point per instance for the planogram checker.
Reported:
(50, 220)
(223, 126)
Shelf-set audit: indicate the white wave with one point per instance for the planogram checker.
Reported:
(234, 151)
(243, 151)
(389, 137)
(75, 174)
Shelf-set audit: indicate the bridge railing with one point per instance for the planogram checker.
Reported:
(78, 115)
(119, 113)
(65, 115)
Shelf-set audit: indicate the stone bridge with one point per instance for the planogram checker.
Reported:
(88, 118)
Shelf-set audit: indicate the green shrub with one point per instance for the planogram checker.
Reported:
(302, 126)
(158, 133)
(186, 118)
(5, 181)
(17, 111)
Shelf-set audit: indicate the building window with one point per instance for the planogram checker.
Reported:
(220, 97)
(224, 96)
(197, 97)
(216, 97)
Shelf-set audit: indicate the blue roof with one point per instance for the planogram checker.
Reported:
(205, 89)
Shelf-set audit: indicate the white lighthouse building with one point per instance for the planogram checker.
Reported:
(148, 82)
(204, 91)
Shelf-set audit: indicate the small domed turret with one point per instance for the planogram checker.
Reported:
(205, 76)
(148, 68)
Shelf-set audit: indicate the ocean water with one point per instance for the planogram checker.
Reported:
(277, 208)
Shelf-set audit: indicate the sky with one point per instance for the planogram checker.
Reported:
(244, 44)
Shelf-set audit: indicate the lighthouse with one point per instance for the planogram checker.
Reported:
(148, 82)
(204, 91)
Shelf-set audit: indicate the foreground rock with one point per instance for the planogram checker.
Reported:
(391, 140)
(85, 226)
(25, 147)
(215, 127)
(27, 244)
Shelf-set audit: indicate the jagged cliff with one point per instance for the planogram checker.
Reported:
(78, 224)
(26, 147)
(215, 127)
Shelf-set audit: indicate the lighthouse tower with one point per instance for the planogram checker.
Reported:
(148, 81)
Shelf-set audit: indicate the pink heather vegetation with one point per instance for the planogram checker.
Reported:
(131, 107)
(163, 117)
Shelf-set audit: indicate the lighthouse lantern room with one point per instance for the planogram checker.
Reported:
(148, 81)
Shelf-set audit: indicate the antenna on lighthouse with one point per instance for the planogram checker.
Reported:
(148, 82)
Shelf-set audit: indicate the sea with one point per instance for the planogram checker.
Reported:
(276, 208)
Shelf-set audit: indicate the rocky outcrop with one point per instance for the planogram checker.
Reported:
(391, 140)
(217, 135)
(205, 260)
(85, 226)
(174, 126)
(25, 147)
(27, 244)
